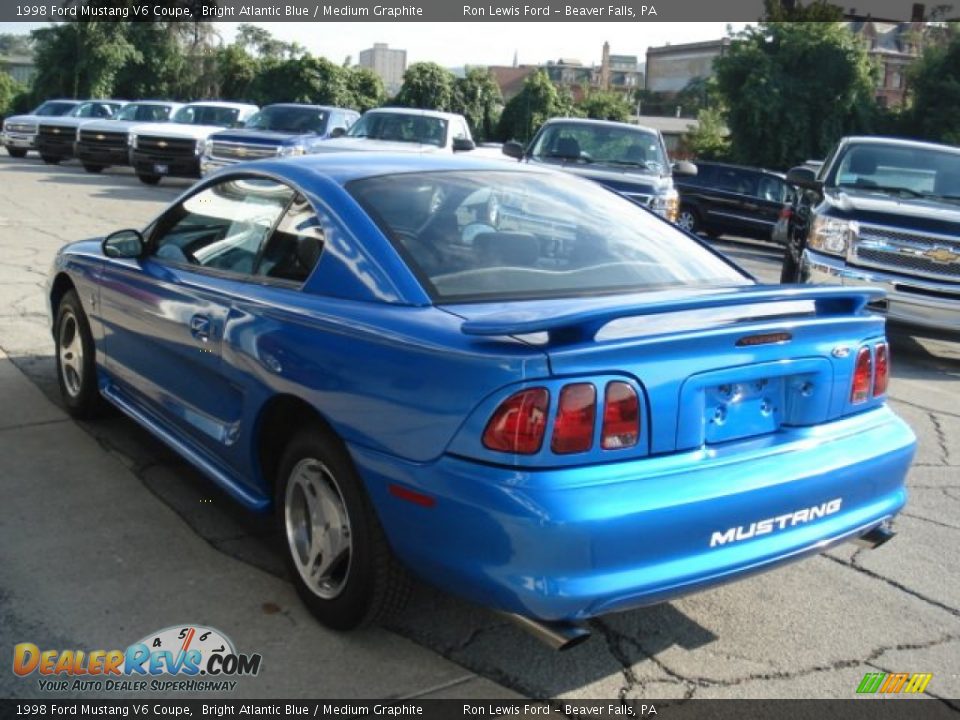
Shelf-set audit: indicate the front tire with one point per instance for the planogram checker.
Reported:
(688, 220)
(17, 152)
(149, 179)
(93, 168)
(76, 359)
(335, 549)
(50, 159)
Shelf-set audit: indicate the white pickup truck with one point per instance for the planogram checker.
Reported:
(176, 148)
(19, 134)
(410, 130)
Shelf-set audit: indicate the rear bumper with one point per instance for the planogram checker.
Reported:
(176, 165)
(572, 543)
(60, 148)
(923, 303)
(18, 140)
(94, 155)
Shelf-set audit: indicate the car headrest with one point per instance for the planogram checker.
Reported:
(309, 249)
(567, 147)
(863, 162)
(507, 249)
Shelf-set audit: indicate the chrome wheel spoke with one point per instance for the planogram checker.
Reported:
(71, 354)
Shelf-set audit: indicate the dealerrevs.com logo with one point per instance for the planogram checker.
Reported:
(186, 658)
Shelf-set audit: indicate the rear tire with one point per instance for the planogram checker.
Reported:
(76, 359)
(50, 159)
(335, 548)
(149, 179)
(17, 152)
(93, 168)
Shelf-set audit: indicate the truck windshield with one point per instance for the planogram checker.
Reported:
(206, 115)
(54, 108)
(141, 112)
(287, 119)
(401, 127)
(606, 144)
(899, 170)
(484, 234)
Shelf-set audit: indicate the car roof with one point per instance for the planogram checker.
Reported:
(414, 111)
(223, 104)
(342, 167)
(748, 168)
(600, 123)
(902, 142)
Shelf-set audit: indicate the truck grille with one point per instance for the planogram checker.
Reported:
(55, 132)
(21, 127)
(220, 150)
(101, 138)
(899, 251)
(173, 147)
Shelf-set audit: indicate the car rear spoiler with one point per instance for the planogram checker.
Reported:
(584, 322)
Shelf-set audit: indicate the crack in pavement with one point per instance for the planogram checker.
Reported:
(941, 437)
(931, 521)
(925, 408)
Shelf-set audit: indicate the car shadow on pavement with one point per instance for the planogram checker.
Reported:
(940, 352)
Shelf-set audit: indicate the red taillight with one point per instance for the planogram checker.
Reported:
(883, 369)
(862, 377)
(576, 411)
(621, 417)
(519, 422)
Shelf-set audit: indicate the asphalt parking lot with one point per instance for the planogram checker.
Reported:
(138, 541)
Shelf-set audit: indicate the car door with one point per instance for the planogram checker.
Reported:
(164, 314)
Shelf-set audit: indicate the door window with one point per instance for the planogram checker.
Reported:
(296, 244)
(223, 227)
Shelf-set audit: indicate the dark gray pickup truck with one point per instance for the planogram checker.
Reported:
(883, 212)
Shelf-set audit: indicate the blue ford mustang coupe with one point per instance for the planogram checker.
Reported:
(512, 383)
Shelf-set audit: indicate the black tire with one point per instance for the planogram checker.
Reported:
(149, 179)
(17, 152)
(790, 271)
(93, 168)
(50, 159)
(689, 220)
(366, 584)
(77, 375)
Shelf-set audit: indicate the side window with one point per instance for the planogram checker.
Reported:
(223, 227)
(772, 189)
(296, 244)
(460, 129)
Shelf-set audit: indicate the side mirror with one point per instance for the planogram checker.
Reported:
(803, 177)
(338, 132)
(124, 244)
(684, 168)
(463, 144)
(513, 149)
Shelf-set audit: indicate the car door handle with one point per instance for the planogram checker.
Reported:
(200, 327)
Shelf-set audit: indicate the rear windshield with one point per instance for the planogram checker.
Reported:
(206, 115)
(499, 235)
(288, 119)
(145, 113)
(54, 108)
(898, 170)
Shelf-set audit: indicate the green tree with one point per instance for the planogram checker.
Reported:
(305, 79)
(477, 97)
(15, 45)
(935, 86)
(9, 90)
(159, 69)
(364, 88)
(80, 59)
(534, 105)
(236, 71)
(795, 11)
(258, 41)
(792, 90)
(427, 85)
(710, 140)
(606, 106)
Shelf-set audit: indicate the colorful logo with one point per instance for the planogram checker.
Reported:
(187, 651)
(892, 683)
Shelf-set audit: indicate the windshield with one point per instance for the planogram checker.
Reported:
(279, 118)
(94, 110)
(898, 170)
(206, 115)
(140, 112)
(54, 108)
(401, 127)
(610, 145)
(499, 235)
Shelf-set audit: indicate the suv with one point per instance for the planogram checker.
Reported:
(406, 130)
(103, 143)
(176, 148)
(883, 212)
(629, 159)
(732, 199)
(277, 130)
(56, 135)
(20, 131)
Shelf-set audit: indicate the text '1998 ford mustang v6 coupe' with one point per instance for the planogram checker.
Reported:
(510, 382)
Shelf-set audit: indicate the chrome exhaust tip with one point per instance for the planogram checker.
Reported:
(555, 635)
(875, 538)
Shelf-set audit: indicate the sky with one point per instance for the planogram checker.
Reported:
(472, 43)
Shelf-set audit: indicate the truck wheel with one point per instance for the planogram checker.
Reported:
(50, 159)
(149, 179)
(93, 168)
(335, 549)
(17, 152)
